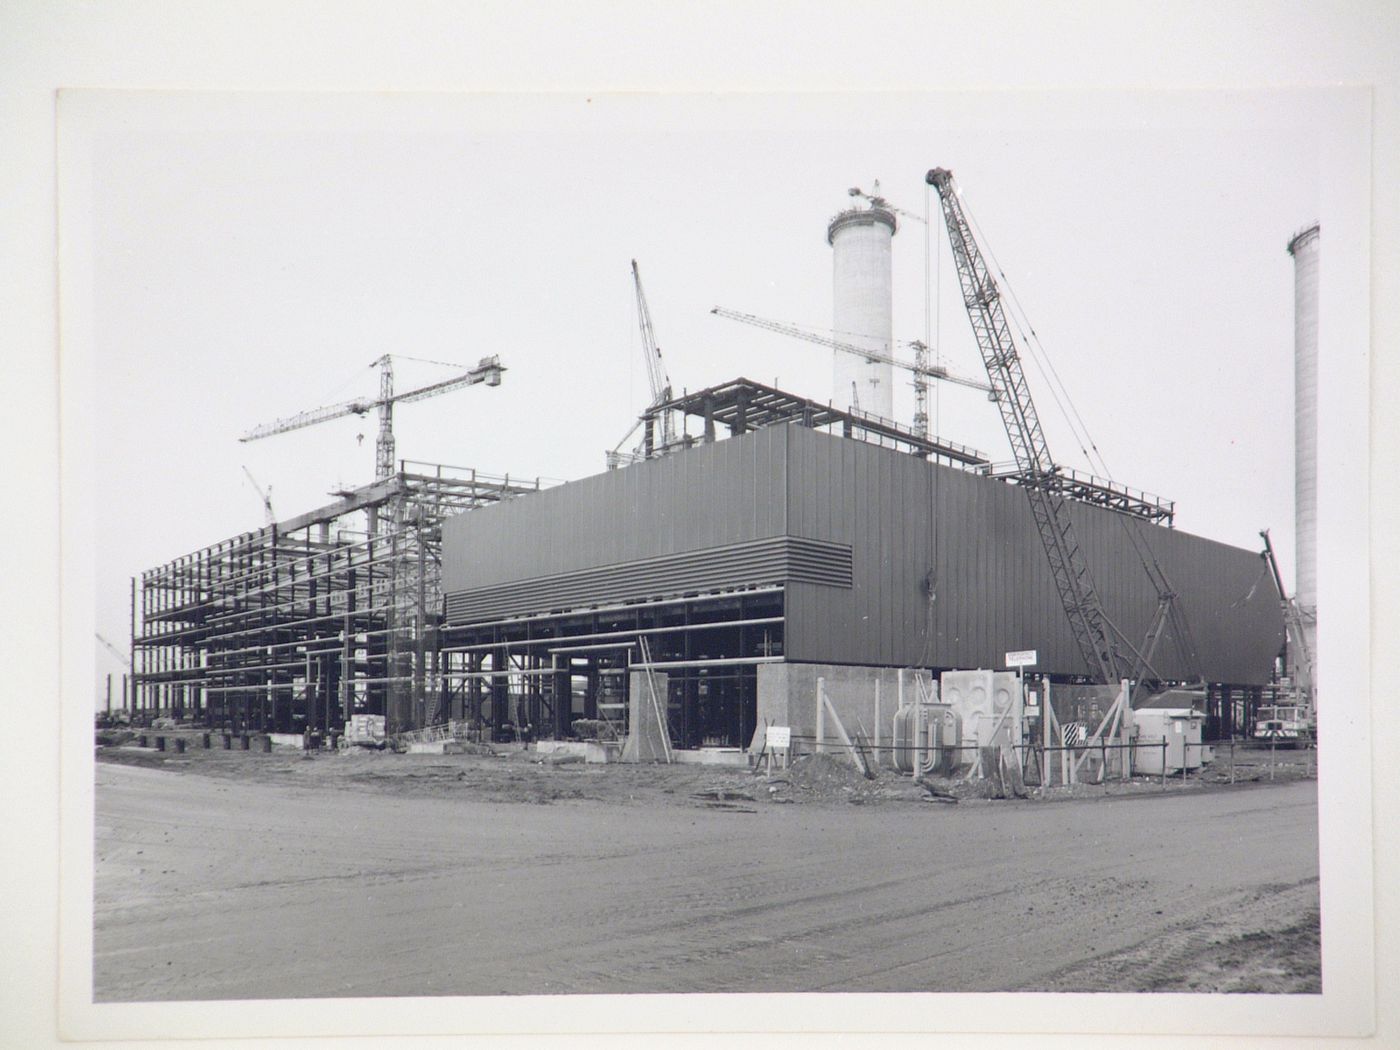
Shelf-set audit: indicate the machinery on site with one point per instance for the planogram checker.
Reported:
(1109, 654)
(488, 370)
(664, 437)
(1291, 719)
(1287, 725)
(123, 657)
(921, 370)
(265, 494)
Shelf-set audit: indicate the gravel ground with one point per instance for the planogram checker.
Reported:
(229, 874)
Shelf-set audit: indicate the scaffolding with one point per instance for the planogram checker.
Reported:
(298, 625)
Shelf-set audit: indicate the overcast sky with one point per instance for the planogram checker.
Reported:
(232, 259)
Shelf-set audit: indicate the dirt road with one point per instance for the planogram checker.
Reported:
(211, 886)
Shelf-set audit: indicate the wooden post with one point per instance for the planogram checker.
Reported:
(1125, 725)
(1018, 724)
(877, 721)
(846, 740)
(821, 715)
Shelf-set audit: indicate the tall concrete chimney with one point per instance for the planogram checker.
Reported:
(1304, 249)
(864, 307)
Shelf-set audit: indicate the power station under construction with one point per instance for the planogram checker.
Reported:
(758, 560)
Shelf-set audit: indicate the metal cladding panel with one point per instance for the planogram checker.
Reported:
(993, 589)
(706, 497)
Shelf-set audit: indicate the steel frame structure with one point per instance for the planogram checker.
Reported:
(547, 670)
(297, 625)
(743, 405)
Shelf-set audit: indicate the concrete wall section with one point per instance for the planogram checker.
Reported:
(787, 696)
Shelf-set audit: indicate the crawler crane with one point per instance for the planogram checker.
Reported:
(1109, 655)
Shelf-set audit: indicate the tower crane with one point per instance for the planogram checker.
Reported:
(657, 377)
(1098, 638)
(920, 368)
(265, 494)
(880, 202)
(488, 370)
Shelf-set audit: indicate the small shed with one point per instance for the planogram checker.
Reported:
(1173, 717)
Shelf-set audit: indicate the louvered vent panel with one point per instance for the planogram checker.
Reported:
(774, 560)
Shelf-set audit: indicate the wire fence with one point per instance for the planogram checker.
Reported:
(1099, 762)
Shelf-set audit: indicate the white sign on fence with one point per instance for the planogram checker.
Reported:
(1021, 658)
(779, 736)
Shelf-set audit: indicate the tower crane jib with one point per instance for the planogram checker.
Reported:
(926, 371)
(488, 370)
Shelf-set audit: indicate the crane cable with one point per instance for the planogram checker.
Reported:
(1078, 427)
(427, 361)
(1031, 340)
(932, 307)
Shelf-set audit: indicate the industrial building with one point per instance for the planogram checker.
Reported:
(806, 538)
(755, 538)
(788, 532)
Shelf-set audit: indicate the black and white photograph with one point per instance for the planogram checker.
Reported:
(566, 562)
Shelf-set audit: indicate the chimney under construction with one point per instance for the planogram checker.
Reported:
(1304, 248)
(864, 307)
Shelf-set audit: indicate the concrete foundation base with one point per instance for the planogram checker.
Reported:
(593, 752)
(727, 756)
(864, 698)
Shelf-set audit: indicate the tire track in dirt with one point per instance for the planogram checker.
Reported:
(1173, 959)
(270, 890)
